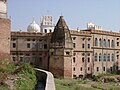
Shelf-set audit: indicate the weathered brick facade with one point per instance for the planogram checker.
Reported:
(61, 48)
(5, 25)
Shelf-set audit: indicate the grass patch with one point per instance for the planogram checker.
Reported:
(62, 84)
(26, 76)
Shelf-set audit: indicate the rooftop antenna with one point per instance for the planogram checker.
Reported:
(61, 14)
(33, 19)
(77, 28)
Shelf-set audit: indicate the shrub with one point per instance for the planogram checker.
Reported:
(27, 78)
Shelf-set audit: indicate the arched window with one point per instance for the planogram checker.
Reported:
(100, 57)
(83, 59)
(95, 56)
(112, 43)
(108, 43)
(100, 42)
(104, 43)
(45, 30)
(108, 57)
(113, 57)
(96, 42)
(104, 57)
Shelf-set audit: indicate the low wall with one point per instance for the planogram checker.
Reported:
(47, 78)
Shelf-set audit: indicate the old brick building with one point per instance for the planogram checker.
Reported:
(68, 53)
(4, 31)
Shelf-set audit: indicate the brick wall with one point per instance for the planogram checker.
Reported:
(5, 25)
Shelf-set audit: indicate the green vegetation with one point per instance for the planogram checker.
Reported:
(27, 78)
(22, 76)
(62, 84)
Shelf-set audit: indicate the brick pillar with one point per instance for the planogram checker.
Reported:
(5, 25)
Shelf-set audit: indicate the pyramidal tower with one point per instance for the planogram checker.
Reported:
(61, 47)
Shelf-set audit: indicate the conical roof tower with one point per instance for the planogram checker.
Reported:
(61, 48)
(59, 31)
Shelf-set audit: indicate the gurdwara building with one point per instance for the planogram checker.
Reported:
(64, 52)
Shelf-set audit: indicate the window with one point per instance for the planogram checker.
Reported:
(100, 57)
(50, 30)
(103, 68)
(97, 69)
(96, 42)
(88, 45)
(45, 30)
(117, 56)
(74, 76)
(112, 57)
(81, 69)
(74, 53)
(21, 59)
(74, 45)
(67, 53)
(21, 53)
(33, 40)
(83, 46)
(28, 39)
(27, 60)
(83, 39)
(51, 53)
(112, 43)
(104, 43)
(88, 39)
(95, 56)
(14, 39)
(40, 45)
(83, 59)
(28, 45)
(104, 57)
(74, 69)
(108, 57)
(117, 51)
(108, 43)
(88, 59)
(45, 46)
(117, 43)
(33, 45)
(40, 40)
(14, 59)
(100, 42)
(88, 54)
(88, 68)
(27, 54)
(74, 59)
(14, 45)
(40, 61)
(117, 38)
(13, 53)
(83, 54)
(111, 69)
(74, 38)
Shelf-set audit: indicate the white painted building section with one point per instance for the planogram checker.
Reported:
(90, 25)
(3, 8)
(46, 24)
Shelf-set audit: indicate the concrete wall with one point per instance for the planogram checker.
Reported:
(47, 78)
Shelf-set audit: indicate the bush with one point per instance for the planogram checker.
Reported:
(27, 78)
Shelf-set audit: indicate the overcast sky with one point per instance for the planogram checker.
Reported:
(77, 13)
